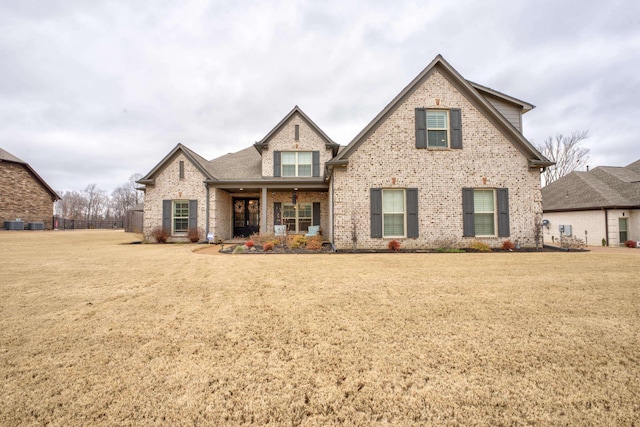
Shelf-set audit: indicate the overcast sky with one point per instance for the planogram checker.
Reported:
(95, 91)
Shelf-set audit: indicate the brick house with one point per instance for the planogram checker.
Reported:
(23, 193)
(445, 159)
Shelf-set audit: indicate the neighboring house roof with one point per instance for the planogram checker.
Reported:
(472, 92)
(5, 156)
(264, 142)
(604, 187)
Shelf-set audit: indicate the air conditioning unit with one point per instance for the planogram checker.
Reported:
(35, 226)
(14, 225)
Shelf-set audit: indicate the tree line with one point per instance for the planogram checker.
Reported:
(94, 203)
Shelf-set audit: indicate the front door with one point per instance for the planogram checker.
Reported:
(246, 217)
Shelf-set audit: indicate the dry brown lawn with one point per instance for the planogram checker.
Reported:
(99, 332)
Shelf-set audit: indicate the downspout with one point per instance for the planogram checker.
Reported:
(207, 222)
(606, 226)
(333, 221)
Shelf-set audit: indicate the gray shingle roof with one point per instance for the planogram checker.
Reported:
(602, 187)
(5, 155)
(243, 165)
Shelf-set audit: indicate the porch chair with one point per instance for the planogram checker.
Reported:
(281, 231)
(313, 231)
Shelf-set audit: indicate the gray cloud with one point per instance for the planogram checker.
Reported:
(94, 92)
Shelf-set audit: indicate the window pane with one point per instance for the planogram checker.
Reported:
(304, 210)
(304, 170)
(304, 158)
(484, 224)
(181, 224)
(287, 157)
(288, 170)
(437, 119)
(289, 211)
(393, 225)
(483, 201)
(437, 138)
(303, 225)
(393, 200)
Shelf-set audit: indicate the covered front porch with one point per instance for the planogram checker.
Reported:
(237, 212)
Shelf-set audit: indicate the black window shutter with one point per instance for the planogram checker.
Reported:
(277, 213)
(193, 214)
(316, 213)
(166, 215)
(455, 116)
(376, 212)
(421, 128)
(316, 163)
(412, 213)
(468, 225)
(503, 212)
(276, 163)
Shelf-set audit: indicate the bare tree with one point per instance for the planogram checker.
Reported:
(96, 199)
(125, 197)
(71, 205)
(566, 152)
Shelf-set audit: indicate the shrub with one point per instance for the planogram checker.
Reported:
(479, 246)
(630, 243)
(508, 245)
(314, 243)
(160, 234)
(394, 246)
(297, 240)
(194, 235)
(267, 247)
(240, 249)
(604, 242)
(572, 242)
(249, 243)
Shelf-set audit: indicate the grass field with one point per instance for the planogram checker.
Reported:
(99, 332)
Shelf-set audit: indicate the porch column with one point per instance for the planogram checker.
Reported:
(263, 211)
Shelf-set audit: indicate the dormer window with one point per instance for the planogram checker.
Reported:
(296, 163)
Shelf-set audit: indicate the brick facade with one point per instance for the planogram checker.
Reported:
(23, 196)
(388, 158)
(284, 140)
(494, 155)
(169, 186)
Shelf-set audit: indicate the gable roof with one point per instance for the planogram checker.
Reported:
(264, 142)
(7, 157)
(198, 161)
(604, 187)
(471, 92)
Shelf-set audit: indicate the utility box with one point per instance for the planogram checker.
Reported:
(35, 225)
(14, 225)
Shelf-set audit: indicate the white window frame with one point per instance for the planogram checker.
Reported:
(477, 212)
(403, 213)
(297, 217)
(446, 128)
(179, 216)
(296, 163)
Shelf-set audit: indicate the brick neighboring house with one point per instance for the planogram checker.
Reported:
(601, 204)
(445, 159)
(23, 193)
